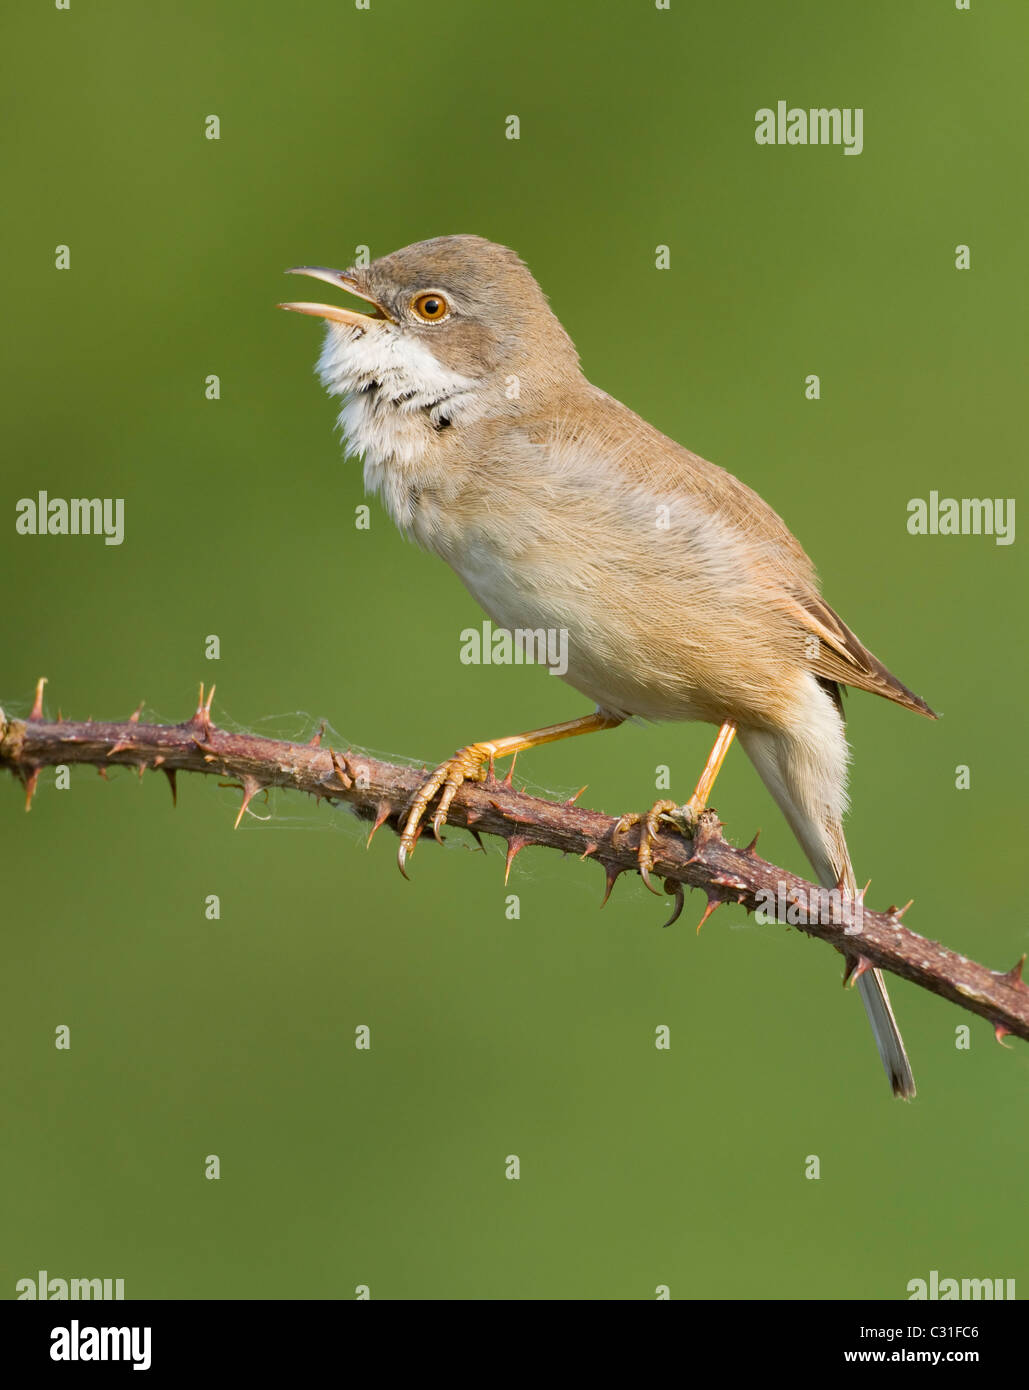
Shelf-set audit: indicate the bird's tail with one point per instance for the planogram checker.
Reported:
(805, 770)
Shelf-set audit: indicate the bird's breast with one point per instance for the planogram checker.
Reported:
(666, 623)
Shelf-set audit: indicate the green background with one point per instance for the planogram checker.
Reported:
(490, 1036)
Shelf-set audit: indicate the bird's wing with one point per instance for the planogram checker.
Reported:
(649, 458)
(838, 655)
(603, 428)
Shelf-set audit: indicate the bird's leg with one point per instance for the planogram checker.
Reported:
(474, 763)
(681, 816)
(706, 782)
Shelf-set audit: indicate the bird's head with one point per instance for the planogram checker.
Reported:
(456, 324)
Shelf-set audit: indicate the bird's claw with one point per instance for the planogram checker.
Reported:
(650, 828)
(467, 765)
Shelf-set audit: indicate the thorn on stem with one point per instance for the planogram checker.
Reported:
(37, 706)
(201, 720)
(612, 873)
(1015, 973)
(714, 902)
(346, 781)
(134, 716)
(514, 846)
(382, 811)
(251, 786)
(30, 787)
(856, 967)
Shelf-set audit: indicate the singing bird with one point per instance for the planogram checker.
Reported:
(683, 595)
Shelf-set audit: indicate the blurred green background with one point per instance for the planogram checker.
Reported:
(490, 1036)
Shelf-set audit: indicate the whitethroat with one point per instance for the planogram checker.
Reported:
(683, 595)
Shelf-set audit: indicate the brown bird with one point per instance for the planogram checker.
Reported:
(681, 594)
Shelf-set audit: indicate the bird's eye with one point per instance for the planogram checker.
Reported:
(430, 307)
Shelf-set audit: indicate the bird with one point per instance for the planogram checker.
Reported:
(682, 594)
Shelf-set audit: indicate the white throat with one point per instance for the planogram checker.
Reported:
(398, 399)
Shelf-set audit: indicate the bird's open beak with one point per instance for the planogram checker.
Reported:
(333, 311)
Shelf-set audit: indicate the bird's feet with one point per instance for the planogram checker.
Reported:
(683, 818)
(475, 764)
(471, 764)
